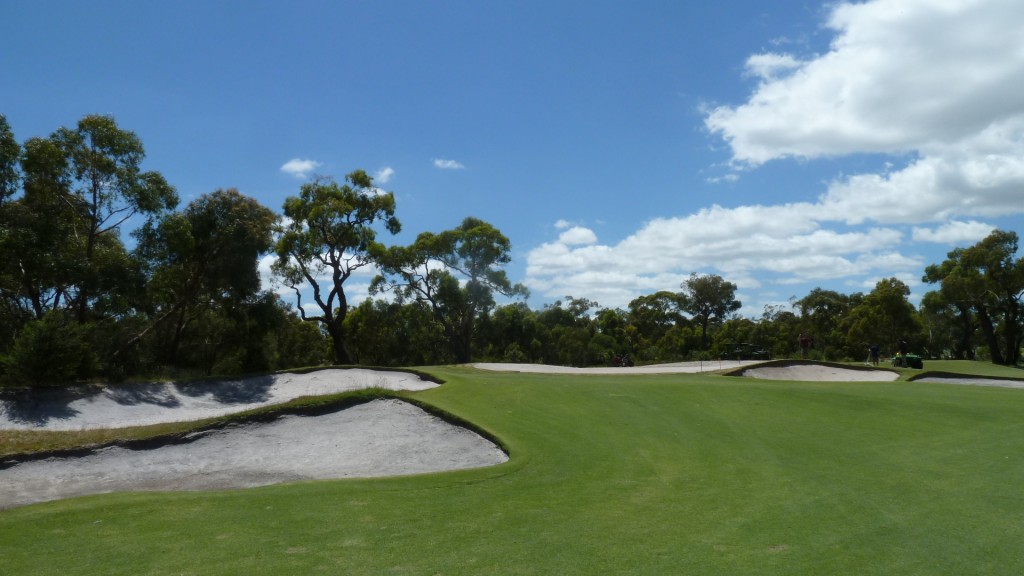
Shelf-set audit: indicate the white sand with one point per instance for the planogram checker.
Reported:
(379, 438)
(158, 402)
(973, 381)
(820, 373)
(675, 368)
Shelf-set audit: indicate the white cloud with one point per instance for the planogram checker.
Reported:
(448, 164)
(739, 243)
(954, 233)
(770, 66)
(384, 175)
(576, 236)
(935, 85)
(901, 75)
(940, 82)
(300, 167)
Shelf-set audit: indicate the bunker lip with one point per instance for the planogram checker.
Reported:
(120, 406)
(937, 377)
(381, 437)
(353, 437)
(672, 368)
(813, 371)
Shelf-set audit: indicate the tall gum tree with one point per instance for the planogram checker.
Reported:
(456, 272)
(328, 234)
(205, 257)
(986, 282)
(91, 176)
(709, 299)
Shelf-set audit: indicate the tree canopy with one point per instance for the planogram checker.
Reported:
(329, 233)
(709, 299)
(456, 272)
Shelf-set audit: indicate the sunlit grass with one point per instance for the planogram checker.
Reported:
(687, 474)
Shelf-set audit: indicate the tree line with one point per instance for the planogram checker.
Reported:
(184, 296)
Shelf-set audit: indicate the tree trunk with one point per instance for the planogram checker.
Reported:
(990, 336)
(966, 351)
(1012, 330)
(337, 334)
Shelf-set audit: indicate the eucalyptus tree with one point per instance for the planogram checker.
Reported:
(12, 314)
(94, 179)
(329, 233)
(10, 162)
(709, 299)
(884, 317)
(985, 283)
(456, 272)
(203, 258)
(821, 314)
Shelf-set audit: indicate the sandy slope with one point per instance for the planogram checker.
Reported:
(676, 368)
(379, 438)
(157, 402)
(820, 373)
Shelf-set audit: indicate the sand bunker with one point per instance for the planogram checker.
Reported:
(675, 368)
(158, 402)
(379, 438)
(818, 373)
(1003, 383)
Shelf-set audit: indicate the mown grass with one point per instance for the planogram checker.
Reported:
(687, 474)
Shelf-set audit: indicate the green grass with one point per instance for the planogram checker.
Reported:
(686, 474)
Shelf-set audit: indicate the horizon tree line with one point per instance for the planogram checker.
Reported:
(77, 304)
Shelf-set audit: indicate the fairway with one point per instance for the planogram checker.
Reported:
(609, 474)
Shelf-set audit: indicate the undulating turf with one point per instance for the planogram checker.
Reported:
(686, 474)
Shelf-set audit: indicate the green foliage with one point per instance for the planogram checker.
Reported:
(10, 172)
(983, 286)
(330, 233)
(52, 351)
(427, 271)
(883, 317)
(392, 334)
(709, 299)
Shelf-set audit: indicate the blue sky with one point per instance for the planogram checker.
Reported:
(784, 145)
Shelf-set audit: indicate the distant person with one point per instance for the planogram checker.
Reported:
(901, 354)
(806, 343)
(873, 354)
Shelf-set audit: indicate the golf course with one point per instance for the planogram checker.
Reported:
(608, 473)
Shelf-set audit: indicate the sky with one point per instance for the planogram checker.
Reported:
(620, 146)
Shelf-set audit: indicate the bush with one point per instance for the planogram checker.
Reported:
(49, 352)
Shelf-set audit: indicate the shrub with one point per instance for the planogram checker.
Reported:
(48, 352)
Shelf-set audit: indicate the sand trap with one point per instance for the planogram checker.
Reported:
(972, 381)
(379, 438)
(819, 373)
(158, 402)
(676, 368)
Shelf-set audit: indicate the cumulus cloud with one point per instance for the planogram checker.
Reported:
(784, 242)
(939, 82)
(576, 236)
(384, 175)
(954, 233)
(901, 75)
(770, 66)
(448, 164)
(300, 167)
(934, 86)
